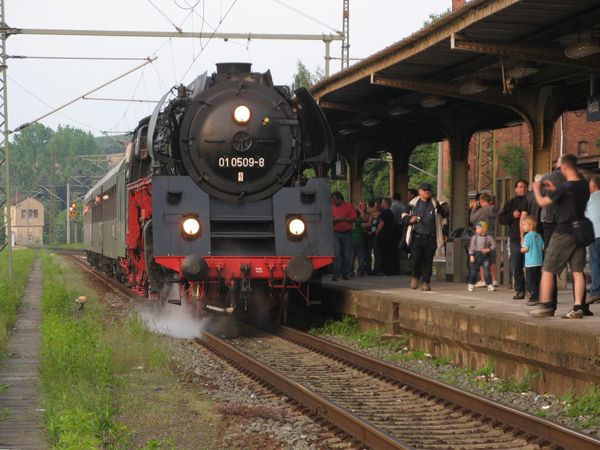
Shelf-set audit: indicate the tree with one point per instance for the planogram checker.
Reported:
(433, 17)
(514, 160)
(304, 77)
(31, 171)
(425, 158)
(30, 158)
(376, 178)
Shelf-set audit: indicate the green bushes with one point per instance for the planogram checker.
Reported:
(11, 290)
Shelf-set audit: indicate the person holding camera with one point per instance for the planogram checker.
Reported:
(511, 214)
(571, 198)
(424, 235)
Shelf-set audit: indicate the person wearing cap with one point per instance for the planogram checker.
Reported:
(423, 235)
(511, 214)
(480, 249)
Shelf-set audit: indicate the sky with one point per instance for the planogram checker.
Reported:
(36, 86)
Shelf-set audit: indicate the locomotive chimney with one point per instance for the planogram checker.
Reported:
(233, 68)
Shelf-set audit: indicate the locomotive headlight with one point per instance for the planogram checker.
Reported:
(242, 114)
(190, 227)
(296, 228)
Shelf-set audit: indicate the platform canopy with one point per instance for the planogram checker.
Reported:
(484, 66)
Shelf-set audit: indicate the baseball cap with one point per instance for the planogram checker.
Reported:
(425, 186)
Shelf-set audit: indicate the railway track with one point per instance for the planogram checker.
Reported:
(77, 257)
(381, 405)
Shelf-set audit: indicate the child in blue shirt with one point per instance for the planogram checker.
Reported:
(532, 246)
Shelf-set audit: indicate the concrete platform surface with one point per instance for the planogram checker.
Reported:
(472, 327)
(21, 416)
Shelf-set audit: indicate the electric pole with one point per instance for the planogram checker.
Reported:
(346, 30)
(4, 151)
(52, 201)
(68, 213)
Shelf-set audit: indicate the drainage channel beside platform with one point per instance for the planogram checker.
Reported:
(472, 327)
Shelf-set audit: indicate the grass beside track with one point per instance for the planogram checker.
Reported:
(100, 375)
(11, 291)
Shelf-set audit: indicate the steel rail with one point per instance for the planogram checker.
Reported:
(113, 284)
(543, 429)
(318, 405)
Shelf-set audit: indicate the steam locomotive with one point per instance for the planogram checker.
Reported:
(222, 198)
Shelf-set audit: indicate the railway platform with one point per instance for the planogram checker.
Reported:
(478, 328)
(21, 413)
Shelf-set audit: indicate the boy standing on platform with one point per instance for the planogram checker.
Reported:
(480, 250)
(532, 246)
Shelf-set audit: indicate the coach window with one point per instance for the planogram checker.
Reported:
(583, 148)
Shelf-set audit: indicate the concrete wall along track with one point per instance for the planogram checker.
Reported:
(471, 327)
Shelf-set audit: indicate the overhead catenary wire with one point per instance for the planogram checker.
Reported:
(70, 102)
(60, 112)
(209, 39)
(309, 17)
(186, 2)
(77, 58)
(179, 30)
(135, 100)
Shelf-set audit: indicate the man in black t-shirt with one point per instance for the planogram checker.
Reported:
(571, 199)
(385, 237)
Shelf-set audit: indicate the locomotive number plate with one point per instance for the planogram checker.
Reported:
(241, 162)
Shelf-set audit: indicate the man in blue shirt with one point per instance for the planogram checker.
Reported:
(593, 213)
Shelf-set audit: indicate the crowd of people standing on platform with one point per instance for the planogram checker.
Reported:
(370, 235)
(549, 228)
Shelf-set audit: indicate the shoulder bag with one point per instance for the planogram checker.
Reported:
(583, 232)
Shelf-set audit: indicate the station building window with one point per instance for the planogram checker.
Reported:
(31, 213)
(583, 149)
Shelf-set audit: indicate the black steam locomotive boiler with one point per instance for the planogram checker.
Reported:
(223, 195)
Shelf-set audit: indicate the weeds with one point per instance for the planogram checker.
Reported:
(159, 444)
(95, 374)
(347, 328)
(76, 372)
(585, 408)
(443, 361)
(11, 291)
(524, 385)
